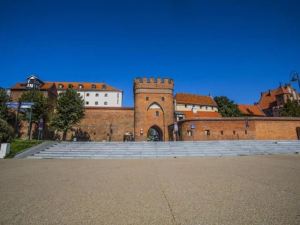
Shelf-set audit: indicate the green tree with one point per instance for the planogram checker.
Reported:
(40, 109)
(227, 107)
(69, 111)
(6, 132)
(291, 108)
(4, 98)
(5, 113)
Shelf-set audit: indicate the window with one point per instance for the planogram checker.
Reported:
(60, 86)
(97, 95)
(104, 87)
(93, 86)
(105, 95)
(207, 132)
(87, 94)
(70, 86)
(147, 98)
(157, 113)
(189, 133)
(87, 103)
(163, 98)
(233, 132)
(105, 103)
(246, 132)
(185, 105)
(80, 86)
(222, 132)
(96, 103)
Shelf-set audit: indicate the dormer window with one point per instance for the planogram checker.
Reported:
(93, 86)
(70, 86)
(103, 87)
(80, 86)
(60, 86)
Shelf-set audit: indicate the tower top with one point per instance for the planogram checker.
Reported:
(153, 83)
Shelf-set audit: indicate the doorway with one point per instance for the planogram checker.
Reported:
(154, 134)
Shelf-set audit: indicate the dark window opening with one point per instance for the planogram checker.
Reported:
(157, 113)
(207, 132)
(163, 98)
(147, 98)
(233, 132)
(222, 132)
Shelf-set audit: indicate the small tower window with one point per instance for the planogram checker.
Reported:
(222, 132)
(157, 113)
(94, 86)
(147, 98)
(207, 132)
(246, 132)
(233, 132)
(163, 98)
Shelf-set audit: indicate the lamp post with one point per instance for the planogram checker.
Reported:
(295, 77)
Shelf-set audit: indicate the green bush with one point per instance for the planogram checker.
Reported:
(6, 132)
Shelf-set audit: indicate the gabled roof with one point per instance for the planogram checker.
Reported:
(85, 86)
(268, 98)
(202, 114)
(184, 98)
(22, 86)
(251, 110)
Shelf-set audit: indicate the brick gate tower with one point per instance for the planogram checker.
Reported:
(153, 108)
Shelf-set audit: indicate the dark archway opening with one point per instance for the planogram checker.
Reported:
(154, 134)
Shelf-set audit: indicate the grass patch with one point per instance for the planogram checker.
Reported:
(19, 145)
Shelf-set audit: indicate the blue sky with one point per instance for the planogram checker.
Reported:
(232, 48)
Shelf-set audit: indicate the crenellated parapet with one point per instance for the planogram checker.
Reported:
(154, 83)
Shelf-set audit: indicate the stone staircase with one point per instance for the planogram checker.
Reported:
(133, 150)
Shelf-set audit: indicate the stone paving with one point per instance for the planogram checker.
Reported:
(186, 191)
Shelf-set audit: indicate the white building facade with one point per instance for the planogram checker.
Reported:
(94, 94)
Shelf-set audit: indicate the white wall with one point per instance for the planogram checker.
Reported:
(188, 107)
(113, 98)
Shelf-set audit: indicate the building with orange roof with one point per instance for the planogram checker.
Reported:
(94, 94)
(251, 110)
(271, 101)
(194, 106)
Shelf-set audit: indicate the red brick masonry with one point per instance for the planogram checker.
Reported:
(268, 128)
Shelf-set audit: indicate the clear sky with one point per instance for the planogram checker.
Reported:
(232, 48)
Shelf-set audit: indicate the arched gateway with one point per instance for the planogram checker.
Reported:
(154, 134)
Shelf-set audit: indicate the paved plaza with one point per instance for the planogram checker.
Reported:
(200, 190)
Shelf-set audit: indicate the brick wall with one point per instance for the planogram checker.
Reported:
(106, 124)
(239, 129)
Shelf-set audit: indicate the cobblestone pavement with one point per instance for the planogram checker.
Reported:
(213, 190)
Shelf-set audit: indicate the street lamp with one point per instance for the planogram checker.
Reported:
(295, 77)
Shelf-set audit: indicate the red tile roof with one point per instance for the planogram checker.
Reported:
(202, 114)
(184, 98)
(22, 86)
(251, 110)
(268, 98)
(86, 86)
